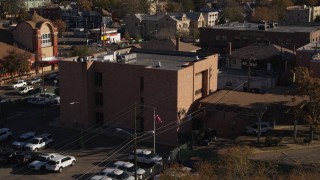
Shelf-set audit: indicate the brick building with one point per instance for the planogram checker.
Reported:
(103, 92)
(216, 38)
(308, 56)
(38, 36)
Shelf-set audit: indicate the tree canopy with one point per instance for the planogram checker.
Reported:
(16, 62)
(61, 26)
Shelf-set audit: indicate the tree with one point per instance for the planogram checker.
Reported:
(85, 5)
(173, 7)
(81, 51)
(233, 14)
(23, 14)
(265, 13)
(61, 26)
(309, 86)
(16, 62)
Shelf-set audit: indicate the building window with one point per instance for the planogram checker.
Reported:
(141, 83)
(99, 118)
(46, 40)
(99, 99)
(224, 38)
(98, 78)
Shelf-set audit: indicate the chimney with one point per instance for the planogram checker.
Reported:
(177, 43)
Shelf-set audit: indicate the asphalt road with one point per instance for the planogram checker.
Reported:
(92, 158)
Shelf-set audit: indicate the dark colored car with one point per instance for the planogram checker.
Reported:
(49, 77)
(7, 155)
(25, 157)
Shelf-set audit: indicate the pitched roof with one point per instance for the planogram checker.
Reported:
(6, 47)
(259, 51)
(193, 16)
(35, 20)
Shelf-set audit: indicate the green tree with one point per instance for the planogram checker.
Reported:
(85, 5)
(16, 62)
(309, 86)
(233, 14)
(23, 14)
(61, 26)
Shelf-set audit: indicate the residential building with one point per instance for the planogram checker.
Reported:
(196, 19)
(301, 14)
(110, 35)
(217, 38)
(165, 25)
(210, 18)
(35, 3)
(40, 37)
(308, 56)
(52, 13)
(107, 88)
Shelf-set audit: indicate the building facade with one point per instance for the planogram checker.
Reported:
(211, 18)
(38, 36)
(217, 38)
(36, 3)
(301, 14)
(308, 56)
(107, 90)
(51, 13)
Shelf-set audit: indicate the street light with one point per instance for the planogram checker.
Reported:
(135, 146)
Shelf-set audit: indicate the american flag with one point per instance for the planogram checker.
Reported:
(157, 119)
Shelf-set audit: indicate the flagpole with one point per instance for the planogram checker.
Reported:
(154, 130)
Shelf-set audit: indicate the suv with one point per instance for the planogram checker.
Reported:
(18, 84)
(41, 141)
(115, 174)
(253, 128)
(129, 168)
(5, 133)
(26, 90)
(59, 162)
(41, 161)
(23, 139)
(145, 156)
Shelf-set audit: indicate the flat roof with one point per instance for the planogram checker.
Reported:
(253, 101)
(240, 26)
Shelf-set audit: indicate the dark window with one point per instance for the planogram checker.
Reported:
(99, 118)
(141, 83)
(99, 99)
(98, 78)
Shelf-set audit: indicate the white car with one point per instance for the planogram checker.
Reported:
(129, 168)
(39, 142)
(41, 161)
(146, 156)
(18, 84)
(59, 162)
(23, 139)
(35, 80)
(253, 128)
(100, 177)
(5, 133)
(26, 90)
(116, 174)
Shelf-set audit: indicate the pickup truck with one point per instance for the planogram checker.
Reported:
(18, 84)
(39, 142)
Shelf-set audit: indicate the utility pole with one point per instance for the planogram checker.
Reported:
(249, 63)
(135, 141)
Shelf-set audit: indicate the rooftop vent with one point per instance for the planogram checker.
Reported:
(159, 64)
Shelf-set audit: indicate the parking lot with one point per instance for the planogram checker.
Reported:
(93, 148)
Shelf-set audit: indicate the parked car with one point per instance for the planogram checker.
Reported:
(23, 139)
(116, 174)
(39, 142)
(26, 90)
(40, 161)
(253, 128)
(35, 80)
(146, 156)
(39, 90)
(100, 177)
(5, 133)
(34, 100)
(7, 155)
(59, 162)
(49, 77)
(25, 157)
(129, 168)
(4, 100)
(18, 84)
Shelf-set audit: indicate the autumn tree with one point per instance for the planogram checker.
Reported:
(61, 26)
(265, 13)
(309, 86)
(233, 14)
(81, 51)
(85, 5)
(16, 62)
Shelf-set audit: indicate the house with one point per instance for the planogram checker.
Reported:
(196, 19)
(266, 63)
(52, 12)
(308, 56)
(108, 87)
(164, 25)
(40, 37)
(210, 18)
(241, 34)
